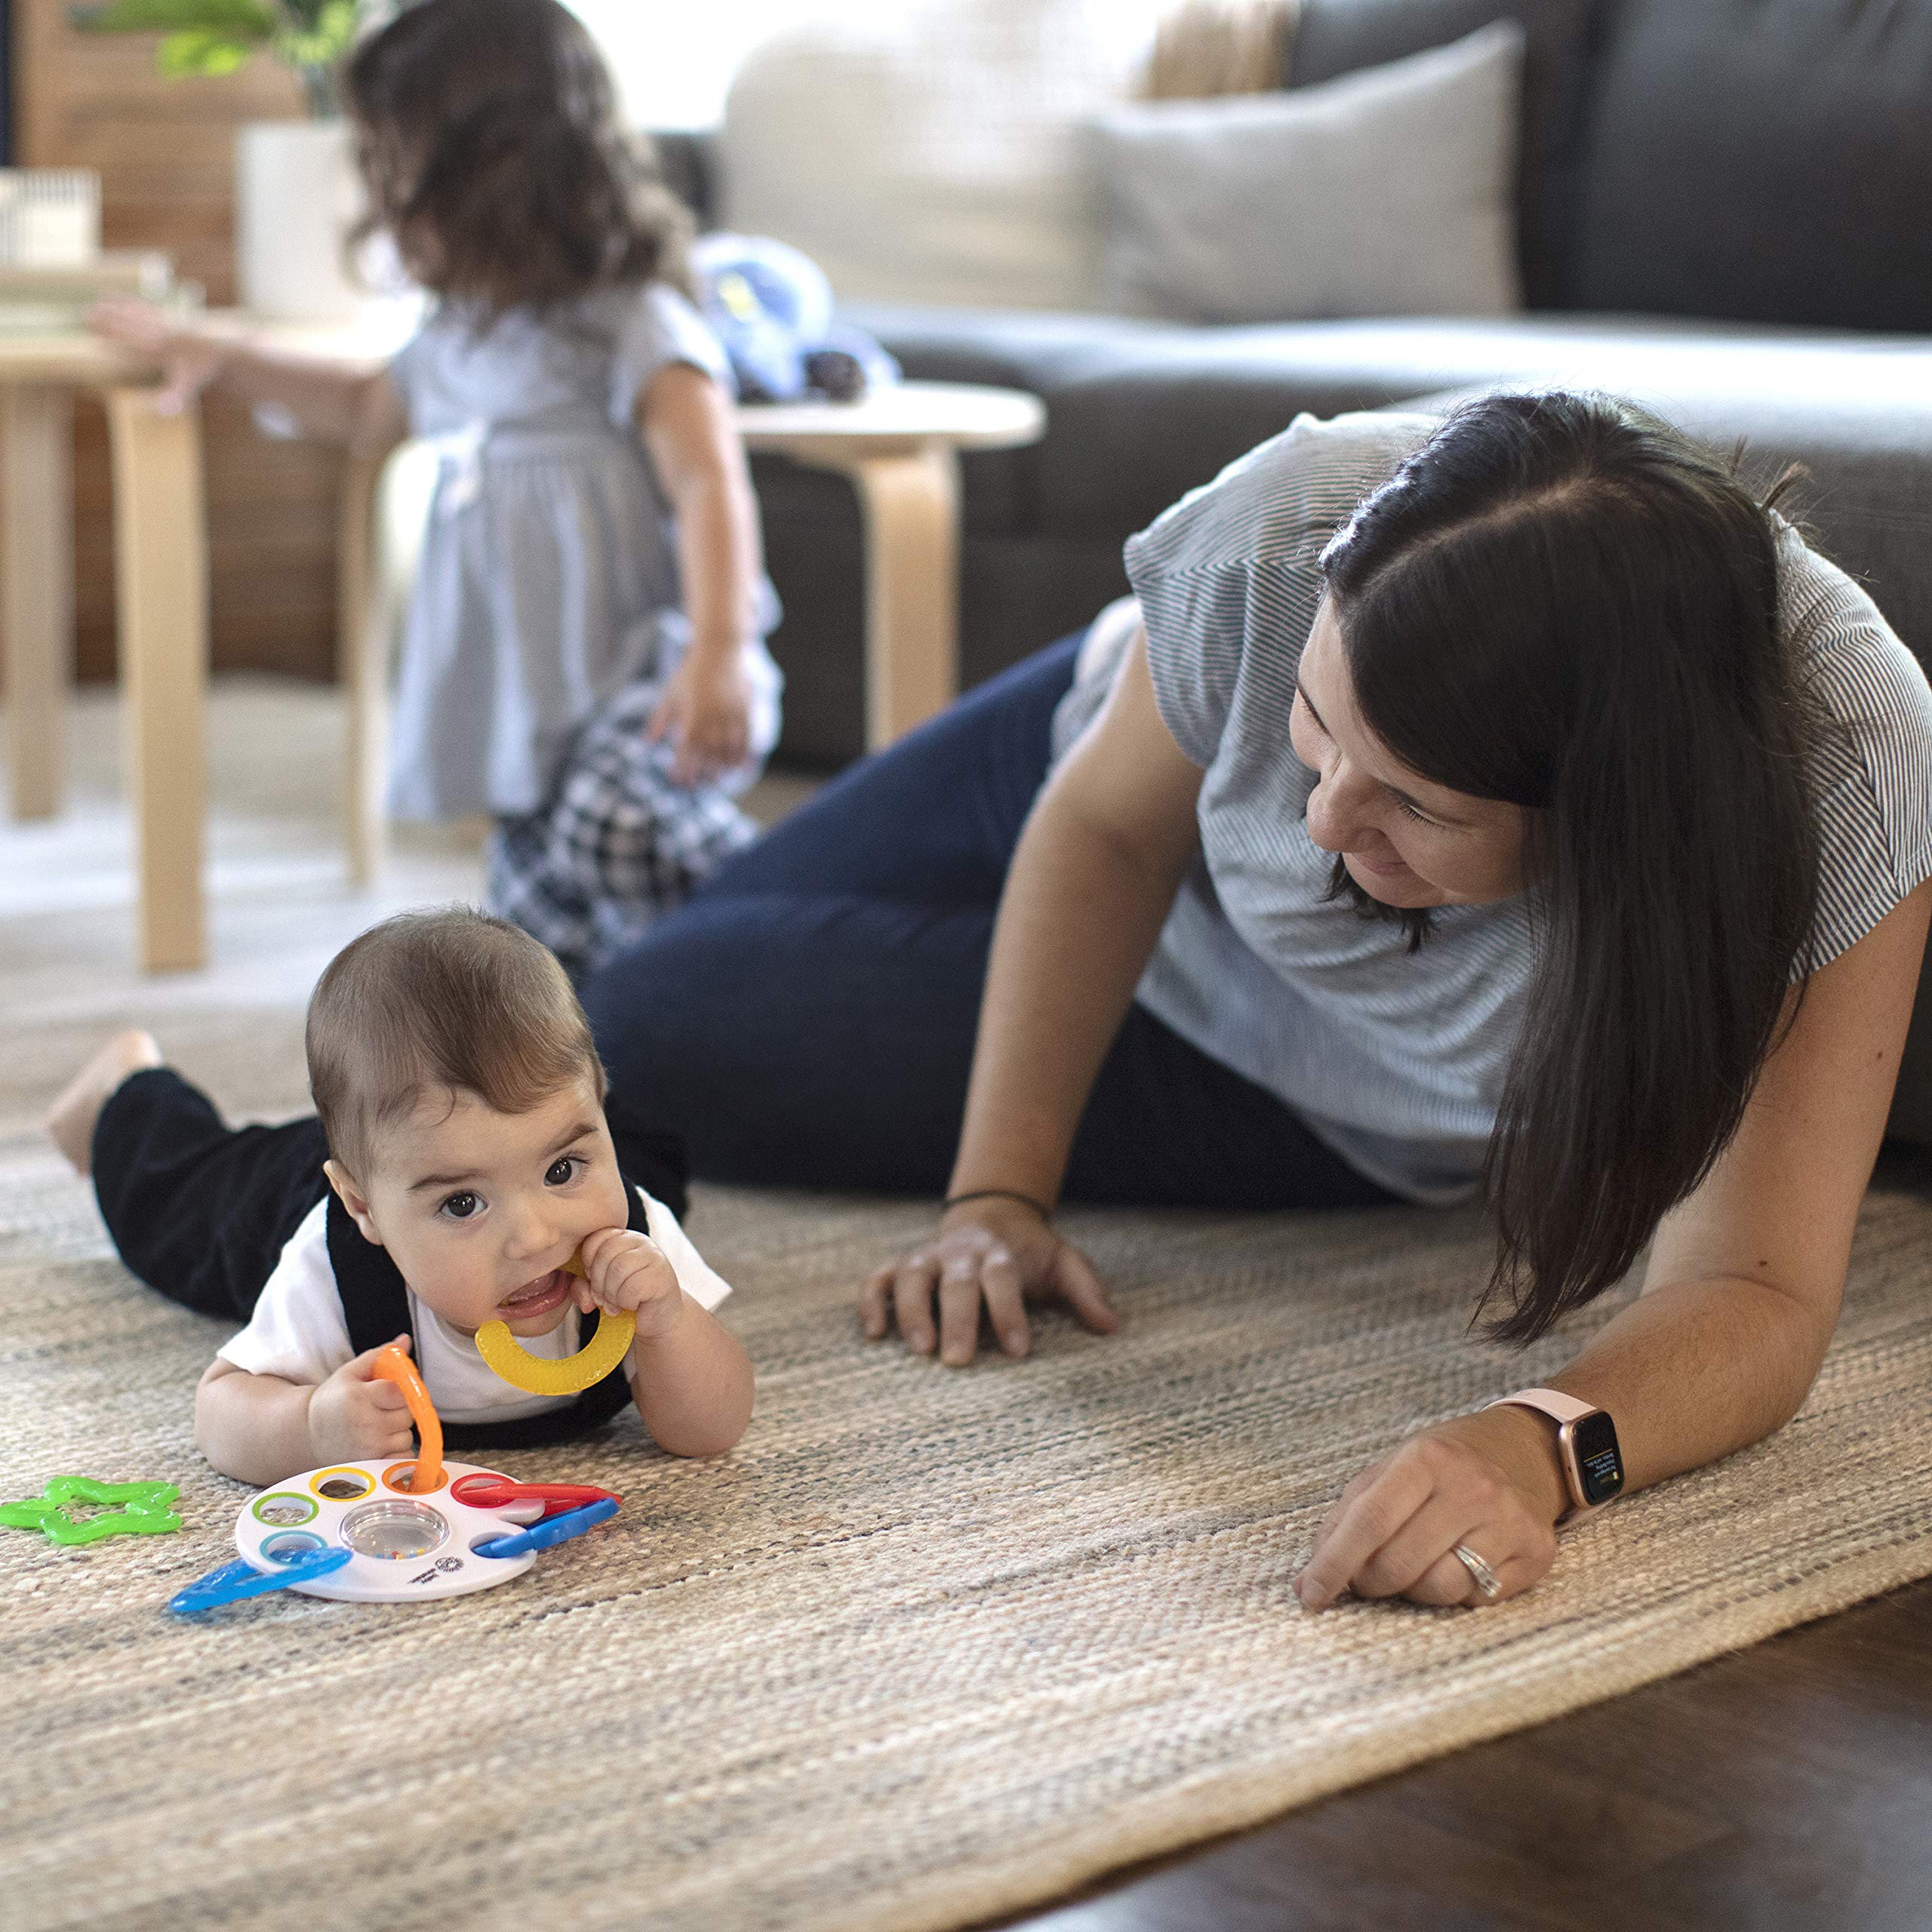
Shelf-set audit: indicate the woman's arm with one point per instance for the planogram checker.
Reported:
(1740, 1301)
(686, 421)
(1093, 879)
(336, 401)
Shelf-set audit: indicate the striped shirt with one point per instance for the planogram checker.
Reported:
(1398, 1060)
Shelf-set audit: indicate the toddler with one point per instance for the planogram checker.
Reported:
(583, 655)
(465, 1150)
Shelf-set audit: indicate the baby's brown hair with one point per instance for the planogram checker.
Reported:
(450, 999)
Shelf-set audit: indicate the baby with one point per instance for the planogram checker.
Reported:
(463, 1155)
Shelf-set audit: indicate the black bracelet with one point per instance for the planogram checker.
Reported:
(1039, 1207)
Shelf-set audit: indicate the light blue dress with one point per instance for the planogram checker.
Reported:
(549, 581)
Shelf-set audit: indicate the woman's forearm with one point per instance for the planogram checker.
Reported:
(1082, 909)
(1693, 1370)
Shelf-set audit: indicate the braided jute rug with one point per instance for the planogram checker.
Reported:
(927, 1648)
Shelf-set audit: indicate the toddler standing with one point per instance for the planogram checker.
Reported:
(584, 657)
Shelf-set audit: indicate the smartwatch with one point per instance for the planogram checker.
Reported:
(1586, 1444)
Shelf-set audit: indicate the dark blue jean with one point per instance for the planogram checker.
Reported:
(807, 1018)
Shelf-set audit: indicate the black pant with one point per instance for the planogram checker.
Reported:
(201, 1211)
(198, 1209)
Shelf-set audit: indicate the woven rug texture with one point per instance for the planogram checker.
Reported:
(928, 1648)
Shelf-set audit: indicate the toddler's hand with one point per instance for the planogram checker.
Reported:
(626, 1272)
(190, 354)
(705, 712)
(356, 1416)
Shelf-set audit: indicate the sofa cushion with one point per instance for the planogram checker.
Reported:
(1390, 192)
(1765, 160)
(930, 153)
(1336, 37)
(1139, 413)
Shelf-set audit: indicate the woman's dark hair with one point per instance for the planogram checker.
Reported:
(487, 134)
(1562, 602)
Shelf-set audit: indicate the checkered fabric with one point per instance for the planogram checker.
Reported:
(619, 843)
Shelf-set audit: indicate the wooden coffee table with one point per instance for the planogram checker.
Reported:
(900, 449)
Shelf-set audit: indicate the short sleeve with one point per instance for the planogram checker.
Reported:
(695, 1275)
(1871, 772)
(1231, 572)
(298, 1330)
(659, 327)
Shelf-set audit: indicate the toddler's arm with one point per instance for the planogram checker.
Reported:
(685, 418)
(339, 402)
(693, 1384)
(262, 1429)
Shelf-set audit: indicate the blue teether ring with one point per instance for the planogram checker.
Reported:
(552, 1530)
(234, 1581)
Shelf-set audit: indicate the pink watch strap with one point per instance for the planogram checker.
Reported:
(1553, 1402)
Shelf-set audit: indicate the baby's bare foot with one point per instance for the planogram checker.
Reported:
(71, 1118)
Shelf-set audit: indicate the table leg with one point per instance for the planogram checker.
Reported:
(36, 587)
(911, 505)
(160, 559)
(362, 665)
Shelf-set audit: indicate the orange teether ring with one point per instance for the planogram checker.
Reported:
(393, 1365)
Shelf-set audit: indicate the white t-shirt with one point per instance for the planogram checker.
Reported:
(300, 1333)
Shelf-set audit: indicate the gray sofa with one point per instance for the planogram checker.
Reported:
(1725, 209)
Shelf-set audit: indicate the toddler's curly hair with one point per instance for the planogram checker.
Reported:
(487, 135)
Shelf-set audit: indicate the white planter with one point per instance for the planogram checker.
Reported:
(296, 196)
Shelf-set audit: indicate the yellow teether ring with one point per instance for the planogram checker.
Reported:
(592, 1363)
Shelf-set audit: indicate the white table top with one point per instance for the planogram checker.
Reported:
(968, 415)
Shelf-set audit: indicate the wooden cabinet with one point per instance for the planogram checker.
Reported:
(164, 151)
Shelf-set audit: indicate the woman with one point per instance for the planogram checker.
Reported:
(1512, 802)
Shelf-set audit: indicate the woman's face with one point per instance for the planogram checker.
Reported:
(1406, 841)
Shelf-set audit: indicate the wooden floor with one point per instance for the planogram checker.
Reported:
(1787, 1788)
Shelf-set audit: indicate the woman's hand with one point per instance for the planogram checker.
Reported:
(190, 354)
(627, 1273)
(706, 713)
(1491, 1481)
(998, 1255)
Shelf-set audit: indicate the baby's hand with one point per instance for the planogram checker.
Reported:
(626, 1272)
(190, 354)
(705, 712)
(356, 1416)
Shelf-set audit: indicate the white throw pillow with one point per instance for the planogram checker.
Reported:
(933, 153)
(1390, 192)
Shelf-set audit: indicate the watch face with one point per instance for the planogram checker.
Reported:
(1599, 1461)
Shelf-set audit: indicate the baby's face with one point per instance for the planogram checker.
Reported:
(480, 1210)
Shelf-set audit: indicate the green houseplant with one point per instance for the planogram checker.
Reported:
(218, 36)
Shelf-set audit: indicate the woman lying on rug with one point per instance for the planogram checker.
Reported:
(467, 1166)
(1513, 802)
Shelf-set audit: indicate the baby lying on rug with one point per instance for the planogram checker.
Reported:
(465, 1151)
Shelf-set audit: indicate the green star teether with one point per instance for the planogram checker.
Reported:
(128, 1509)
